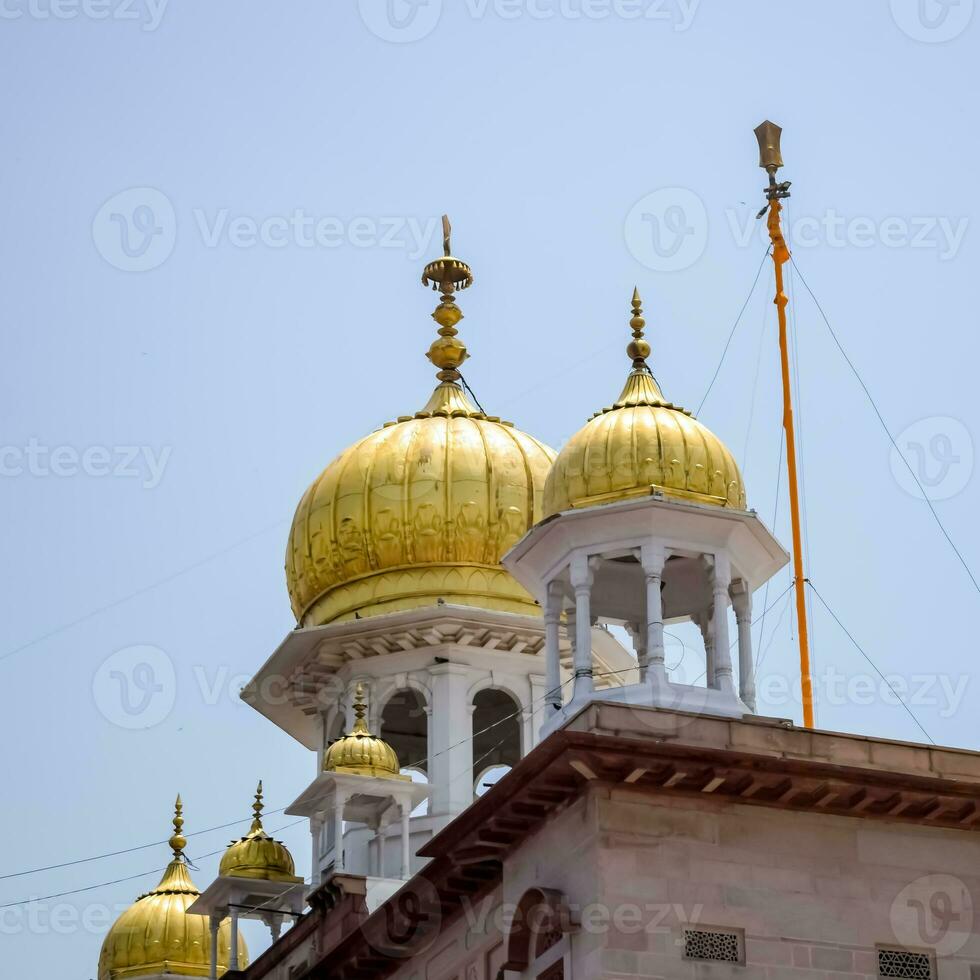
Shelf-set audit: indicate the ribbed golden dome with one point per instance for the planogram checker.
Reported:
(424, 508)
(640, 445)
(257, 855)
(361, 753)
(155, 935)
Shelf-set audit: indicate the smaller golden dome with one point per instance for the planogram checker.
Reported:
(155, 935)
(257, 855)
(361, 753)
(642, 444)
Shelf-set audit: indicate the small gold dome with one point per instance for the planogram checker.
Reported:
(424, 508)
(257, 855)
(361, 753)
(155, 935)
(641, 445)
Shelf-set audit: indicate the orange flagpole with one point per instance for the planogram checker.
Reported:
(770, 158)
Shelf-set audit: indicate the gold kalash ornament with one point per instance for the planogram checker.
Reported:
(155, 935)
(423, 509)
(359, 752)
(643, 444)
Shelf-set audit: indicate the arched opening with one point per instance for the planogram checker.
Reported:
(496, 732)
(487, 777)
(404, 726)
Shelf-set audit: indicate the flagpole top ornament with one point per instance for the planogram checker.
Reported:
(771, 159)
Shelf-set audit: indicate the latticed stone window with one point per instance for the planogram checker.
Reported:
(905, 964)
(722, 945)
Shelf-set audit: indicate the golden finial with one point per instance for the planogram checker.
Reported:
(360, 725)
(447, 274)
(178, 841)
(256, 827)
(638, 349)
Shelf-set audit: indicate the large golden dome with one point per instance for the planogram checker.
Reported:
(257, 855)
(155, 935)
(641, 445)
(422, 509)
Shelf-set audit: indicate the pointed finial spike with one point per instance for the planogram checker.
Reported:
(360, 725)
(178, 841)
(256, 827)
(638, 349)
(447, 231)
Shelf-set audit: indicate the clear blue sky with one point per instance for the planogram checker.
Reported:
(246, 353)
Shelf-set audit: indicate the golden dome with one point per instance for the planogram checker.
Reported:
(155, 935)
(424, 508)
(257, 855)
(361, 753)
(643, 444)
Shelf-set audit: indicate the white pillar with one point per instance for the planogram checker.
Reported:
(638, 634)
(450, 742)
(215, 926)
(537, 712)
(704, 624)
(552, 650)
(406, 842)
(581, 577)
(742, 601)
(378, 863)
(233, 955)
(340, 801)
(652, 558)
(721, 644)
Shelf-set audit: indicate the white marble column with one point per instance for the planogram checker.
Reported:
(638, 633)
(721, 644)
(215, 926)
(552, 650)
(316, 840)
(340, 801)
(233, 954)
(450, 745)
(742, 601)
(581, 578)
(406, 841)
(537, 712)
(378, 861)
(652, 559)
